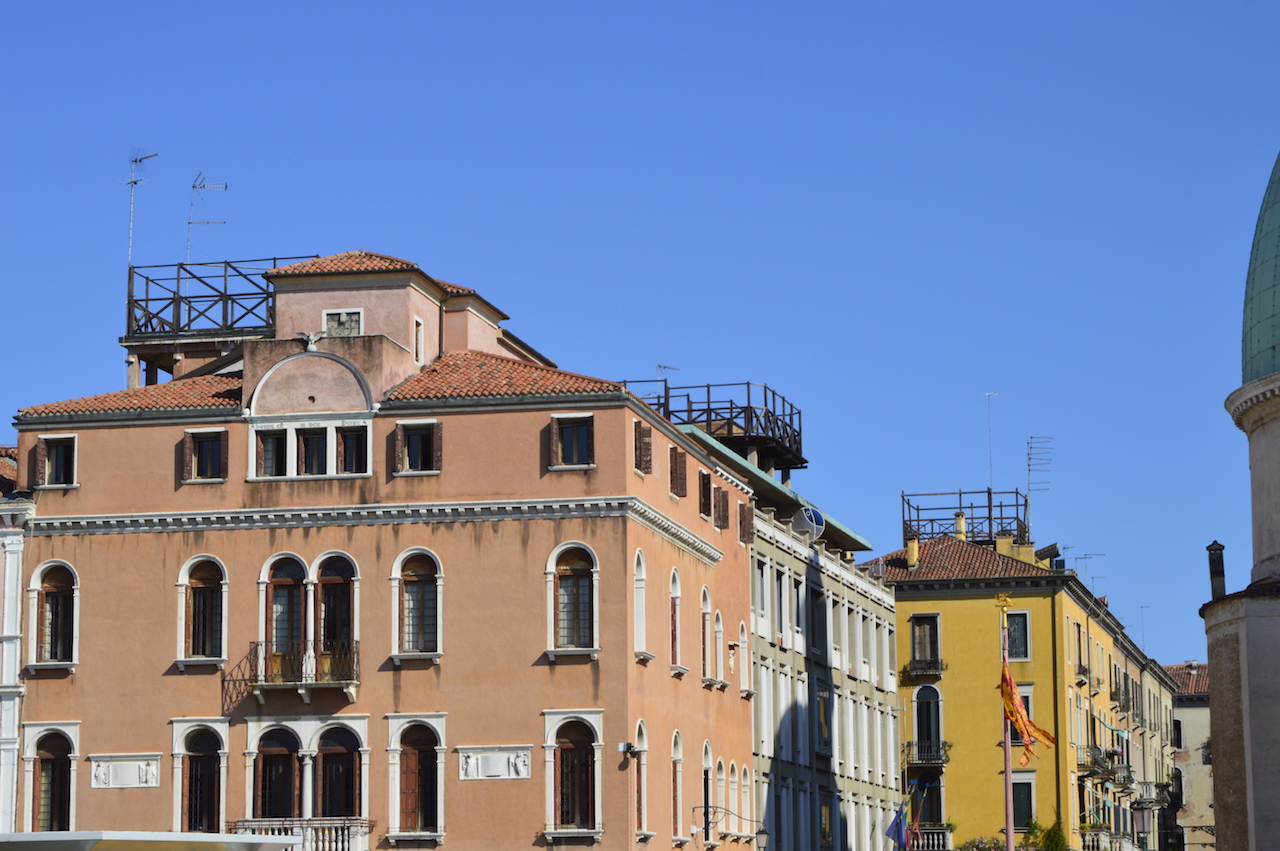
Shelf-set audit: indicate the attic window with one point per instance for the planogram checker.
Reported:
(343, 323)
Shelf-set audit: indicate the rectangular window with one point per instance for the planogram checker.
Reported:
(826, 824)
(420, 617)
(419, 447)
(207, 455)
(342, 323)
(572, 441)
(312, 452)
(643, 447)
(679, 472)
(271, 453)
(1015, 737)
(817, 616)
(574, 610)
(1021, 803)
(1177, 734)
(720, 504)
(352, 450)
(1019, 636)
(704, 493)
(823, 720)
(56, 461)
(206, 621)
(924, 639)
(417, 340)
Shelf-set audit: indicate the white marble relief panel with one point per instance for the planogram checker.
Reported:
(124, 770)
(494, 762)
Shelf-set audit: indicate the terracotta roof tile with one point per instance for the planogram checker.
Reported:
(476, 374)
(355, 262)
(950, 558)
(8, 468)
(1191, 677)
(204, 391)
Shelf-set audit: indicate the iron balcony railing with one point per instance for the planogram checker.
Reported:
(927, 753)
(297, 662)
(988, 514)
(926, 667)
(1120, 700)
(318, 834)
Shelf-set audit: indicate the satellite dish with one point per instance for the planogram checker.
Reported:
(809, 522)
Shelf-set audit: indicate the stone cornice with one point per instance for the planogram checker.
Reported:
(1248, 397)
(629, 507)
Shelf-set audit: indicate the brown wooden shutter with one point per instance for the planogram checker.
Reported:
(258, 455)
(559, 783)
(302, 454)
(644, 443)
(437, 446)
(399, 460)
(679, 472)
(746, 523)
(257, 778)
(410, 819)
(591, 440)
(704, 494)
(553, 443)
(636, 443)
(188, 450)
(224, 455)
(42, 462)
(340, 450)
(721, 506)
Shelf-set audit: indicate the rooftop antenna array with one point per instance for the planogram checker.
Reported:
(137, 165)
(991, 457)
(198, 186)
(1038, 461)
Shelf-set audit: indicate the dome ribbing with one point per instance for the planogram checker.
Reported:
(1260, 353)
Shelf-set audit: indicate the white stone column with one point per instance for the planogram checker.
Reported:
(248, 783)
(12, 520)
(307, 761)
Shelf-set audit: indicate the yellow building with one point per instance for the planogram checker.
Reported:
(1083, 679)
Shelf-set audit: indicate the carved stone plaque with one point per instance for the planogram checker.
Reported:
(494, 762)
(124, 771)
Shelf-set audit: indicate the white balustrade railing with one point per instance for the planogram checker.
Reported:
(932, 839)
(318, 834)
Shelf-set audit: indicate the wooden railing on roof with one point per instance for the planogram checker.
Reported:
(201, 299)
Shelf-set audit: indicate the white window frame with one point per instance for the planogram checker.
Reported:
(398, 654)
(640, 754)
(307, 729)
(639, 615)
(1028, 777)
(326, 312)
(419, 340)
(553, 652)
(226, 462)
(397, 723)
(1027, 614)
(419, 421)
(75, 462)
(291, 424)
(32, 731)
(553, 720)
(677, 668)
(181, 659)
(33, 618)
(183, 727)
(588, 416)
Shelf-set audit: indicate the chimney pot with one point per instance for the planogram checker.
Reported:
(1217, 573)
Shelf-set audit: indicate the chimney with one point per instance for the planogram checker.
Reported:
(1217, 574)
(913, 553)
(960, 531)
(1004, 543)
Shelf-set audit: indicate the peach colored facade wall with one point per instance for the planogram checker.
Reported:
(493, 679)
(388, 310)
(465, 330)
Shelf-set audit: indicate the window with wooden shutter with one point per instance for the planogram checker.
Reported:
(418, 790)
(746, 523)
(276, 776)
(338, 775)
(644, 447)
(200, 783)
(704, 493)
(57, 615)
(679, 472)
(42, 462)
(188, 455)
(572, 441)
(720, 507)
(574, 776)
(51, 792)
(55, 461)
(419, 447)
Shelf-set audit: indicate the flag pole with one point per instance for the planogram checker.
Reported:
(1003, 602)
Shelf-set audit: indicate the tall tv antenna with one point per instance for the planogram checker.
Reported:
(137, 165)
(198, 186)
(991, 456)
(1038, 460)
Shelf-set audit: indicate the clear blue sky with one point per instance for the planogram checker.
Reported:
(883, 211)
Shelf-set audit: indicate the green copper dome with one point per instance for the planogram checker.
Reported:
(1261, 344)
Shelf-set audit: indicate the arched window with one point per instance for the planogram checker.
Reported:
(286, 613)
(719, 627)
(336, 660)
(928, 724)
(200, 782)
(720, 794)
(419, 810)
(744, 657)
(675, 619)
(51, 795)
(204, 611)
(706, 791)
(706, 633)
(338, 774)
(575, 782)
(744, 807)
(638, 603)
(277, 776)
(57, 615)
(640, 760)
(731, 805)
(419, 605)
(677, 761)
(574, 605)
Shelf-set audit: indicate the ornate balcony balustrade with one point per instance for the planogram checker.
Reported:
(318, 834)
(304, 665)
(927, 753)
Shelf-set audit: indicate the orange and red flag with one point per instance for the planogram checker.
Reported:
(1016, 712)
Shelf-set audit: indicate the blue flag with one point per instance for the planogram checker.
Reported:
(898, 828)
